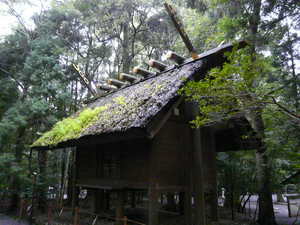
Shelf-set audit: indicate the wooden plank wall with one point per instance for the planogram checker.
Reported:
(169, 154)
(133, 162)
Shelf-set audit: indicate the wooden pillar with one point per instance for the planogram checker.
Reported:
(99, 200)
(210, 172)
(75, 189)
(153, 192)
(107, 200)
(153, 207)
(188, 207)
(200, 216)
(162, 199)
(188, 149)
(181, 203)
(192, 110)
(133, 199)
(120, 207)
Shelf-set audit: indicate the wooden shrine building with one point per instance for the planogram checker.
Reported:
(138, 138)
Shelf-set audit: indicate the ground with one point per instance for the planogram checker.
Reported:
(6, 220)
(281, 213)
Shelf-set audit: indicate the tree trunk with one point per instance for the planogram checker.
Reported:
(266, 211)
(16, 183)
(254, 116)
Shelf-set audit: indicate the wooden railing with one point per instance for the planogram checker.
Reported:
(125, 220)
(57, 211)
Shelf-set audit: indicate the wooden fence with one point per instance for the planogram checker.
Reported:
(57, 211)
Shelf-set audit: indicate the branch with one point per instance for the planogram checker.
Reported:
(287, 111)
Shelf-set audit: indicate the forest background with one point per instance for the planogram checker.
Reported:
(39, 85)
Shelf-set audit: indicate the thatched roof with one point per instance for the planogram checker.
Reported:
(129, 109)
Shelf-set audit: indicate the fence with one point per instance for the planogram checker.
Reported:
(293, 201)
(56, 211)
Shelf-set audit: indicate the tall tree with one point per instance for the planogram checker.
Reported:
(254, 21)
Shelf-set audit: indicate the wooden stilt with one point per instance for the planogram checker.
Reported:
(107, 200)
(75, 189)
(181, 203)
(191, 111)
(153, 207)
(188, 207)
(210, 172)
(76, 216)
(99, 200)
(120, 207)
(133, 199)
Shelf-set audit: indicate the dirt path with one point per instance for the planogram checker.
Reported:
(6, 220)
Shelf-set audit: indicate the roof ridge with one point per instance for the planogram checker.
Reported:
(170, 68)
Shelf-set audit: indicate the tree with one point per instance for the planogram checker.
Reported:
(261, 23)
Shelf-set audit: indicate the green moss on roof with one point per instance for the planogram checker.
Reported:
(120, 100)
(70, 128)
(130, 107)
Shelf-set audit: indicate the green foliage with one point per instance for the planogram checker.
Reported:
(70, 128)
(228, 90)
(236, 174)
(8, 169)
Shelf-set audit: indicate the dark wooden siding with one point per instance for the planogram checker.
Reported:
(122, 163)
(168, 154)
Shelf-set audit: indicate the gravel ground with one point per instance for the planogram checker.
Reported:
(281, 213)
(280, 210)
(6, 220)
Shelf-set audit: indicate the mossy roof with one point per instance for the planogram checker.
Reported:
(125, 109)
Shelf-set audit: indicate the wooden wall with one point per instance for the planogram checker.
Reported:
(169, 154)
(163, 158)
(104, 165)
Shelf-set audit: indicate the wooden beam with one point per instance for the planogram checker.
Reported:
(110, 184)
(179, 27)
(107, 87)
(157, 65)
(128, 77)
(175, 57)
(142, 72)
(116, 82)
